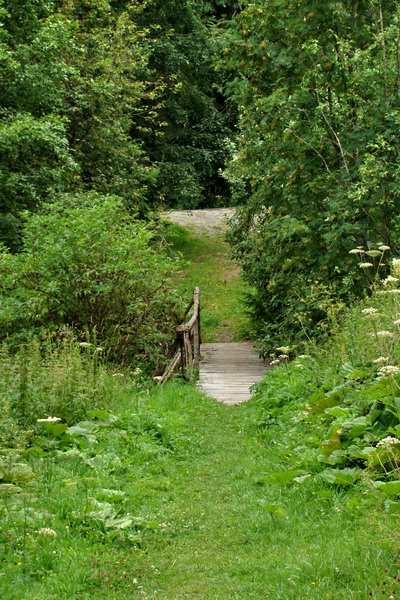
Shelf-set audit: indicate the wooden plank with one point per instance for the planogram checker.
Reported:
(229, 370)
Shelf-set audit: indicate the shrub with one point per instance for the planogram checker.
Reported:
(89, 267)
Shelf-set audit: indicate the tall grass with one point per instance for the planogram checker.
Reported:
(63, 380)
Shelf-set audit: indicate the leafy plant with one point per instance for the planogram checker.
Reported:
(94, 272)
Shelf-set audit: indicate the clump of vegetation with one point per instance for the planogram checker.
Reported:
(348, 391)
(317, 153)
(73, 501)
(93, 272)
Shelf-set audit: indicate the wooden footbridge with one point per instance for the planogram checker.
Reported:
(227, 371)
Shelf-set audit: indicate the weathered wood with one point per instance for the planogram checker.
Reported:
(196, 344)
(170, 369)
(188, 340)
(228, 371)
(196, 313)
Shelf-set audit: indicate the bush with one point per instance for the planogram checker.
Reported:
(87, 266)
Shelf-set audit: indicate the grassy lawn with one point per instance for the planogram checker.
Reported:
(220, 542)
(195, 476)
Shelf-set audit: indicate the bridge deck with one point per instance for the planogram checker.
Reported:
(228, 370)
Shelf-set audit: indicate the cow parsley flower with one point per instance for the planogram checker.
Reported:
(390, 279)
(396, 265)
(388, 370)
(381, 359)
(384, 334)
(49, 420)
(388, 441)
(47, 531)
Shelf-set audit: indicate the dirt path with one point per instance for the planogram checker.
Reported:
(209, 221)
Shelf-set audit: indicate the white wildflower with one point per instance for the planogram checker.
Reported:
(384, 247)
(157, 378)
(355, 251)
(284, 349)
(47, 531)
(299, 366)
(49, 420)
(84, 344)
(369, 311)
(381, 359)
(365, 265)
(384, 334)
(388, 441)
(275, 362)
(390, 279)
(99, 349)
(137, 371)
(396, 322)
(395, 291)
(304, 356)
(388, 370)
(283, 356)
(396, 265)
(118, 375)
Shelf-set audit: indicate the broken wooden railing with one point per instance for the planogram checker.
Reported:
(188, 343)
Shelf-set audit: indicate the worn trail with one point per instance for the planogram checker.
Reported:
(228, 368)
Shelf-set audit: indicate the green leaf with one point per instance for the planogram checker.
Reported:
(102, 415)
(390, 487)
(341, 477)
(119, 523)
(283, 478)
(391, 505)
(54, 428)
(324, 494)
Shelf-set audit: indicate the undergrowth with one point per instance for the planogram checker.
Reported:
(347, 393)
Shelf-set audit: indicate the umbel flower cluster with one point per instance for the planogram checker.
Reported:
(388, 370)
(387, 442)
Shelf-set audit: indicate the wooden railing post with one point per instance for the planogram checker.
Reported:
(189, 339)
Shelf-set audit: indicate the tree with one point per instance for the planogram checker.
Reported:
(194, 121)
(317, 158)
(69, 89)
(89, 268)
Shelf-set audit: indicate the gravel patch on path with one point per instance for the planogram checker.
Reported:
(209, 221)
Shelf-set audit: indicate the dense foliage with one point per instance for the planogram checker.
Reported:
(195, 121)
(317, 159)
(348, 392)
(92, 272)
(117, 97)
(69, 85)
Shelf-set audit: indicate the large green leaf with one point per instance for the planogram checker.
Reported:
(344, 477)
(390, 487)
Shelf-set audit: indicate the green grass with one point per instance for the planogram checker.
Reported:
(194, 474)
(171, 495)
(207, 264)
(220, 543)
